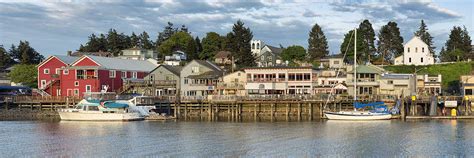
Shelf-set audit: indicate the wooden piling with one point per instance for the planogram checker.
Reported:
(310, 116)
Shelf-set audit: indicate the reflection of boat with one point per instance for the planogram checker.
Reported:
(96, 110)
(360, 115)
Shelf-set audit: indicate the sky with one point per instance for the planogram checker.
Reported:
(54, 27)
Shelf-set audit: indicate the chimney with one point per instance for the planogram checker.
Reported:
(69, 53)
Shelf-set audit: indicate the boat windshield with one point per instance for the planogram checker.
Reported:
(93, 108)
(79, 107)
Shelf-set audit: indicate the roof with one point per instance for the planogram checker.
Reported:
(368, 69)
(396, 76)
(173, 69)
(209, 65)
(222, 54)
(279, 67)
(275, 50)
(333, 56)
(67, 59)
(206, 75)
(100, 53)
(123, 64)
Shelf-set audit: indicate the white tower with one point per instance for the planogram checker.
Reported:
(256, 47)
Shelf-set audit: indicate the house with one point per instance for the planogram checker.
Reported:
(332, 62)
(199, 78)
(49, 74)
(162, 81)
(176, 58)
(266, 55)
(232, 84)
(137, 53)
(428, 84)
(467, 85)
(89, 74)
(416, 52)
(280, 80)
(330, 82)
(99, 53)
(397, 84)
(368, 79)
(223, 58)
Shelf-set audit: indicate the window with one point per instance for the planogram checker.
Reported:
(390, 82)
(258, 45)
(253, 45)
(281, 76)
(336, 62)
(468, 92)
(112, 73)
(57, 71)
(76, 92)
(152, 77)
(43, 83)
(186, 81)
(421, 59)
(134, 75)
(66, 71)
(423, 49)
(416, 49)
(46, 71)
(80, 74)
(408, 49)
(88, 88)
(238, 74)
(307, 77)
(409, 60)
(124, 74)
(76, 83)
(291, 77)
(195, 69)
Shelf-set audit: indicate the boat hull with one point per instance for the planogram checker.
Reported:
(357, 116)
(83, 116)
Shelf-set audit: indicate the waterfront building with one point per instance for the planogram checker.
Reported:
(428, 84)
(176, 58)
(332, 62)
(266, 55)
(416, 52)
(328, 82)
(397, 84)
(280, 80)
(199, 78)
(232, 84)
(161, 81)
(368, 79)
(467, 85)
(49, 72)
(137, 53)
(89, 74)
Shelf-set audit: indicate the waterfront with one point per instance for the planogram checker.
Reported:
(206, 139)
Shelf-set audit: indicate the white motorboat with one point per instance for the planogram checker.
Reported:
(96, 110)
(359, 115)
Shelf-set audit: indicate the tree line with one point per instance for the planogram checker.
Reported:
(23, 53)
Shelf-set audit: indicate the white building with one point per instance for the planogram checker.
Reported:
(256, 47)
(280, 80)
(137, 53)
(416, 52)
(175, 59)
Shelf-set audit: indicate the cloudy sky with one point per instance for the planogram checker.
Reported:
(54, 27)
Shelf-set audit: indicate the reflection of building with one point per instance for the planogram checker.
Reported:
(280, 80)
(266, 55)
(199, 78)
(416, 52)
(137, 53)
(397, 84)
(232, 84)
(368, 78)
(176, 58)
(428, 84)
(467, 85)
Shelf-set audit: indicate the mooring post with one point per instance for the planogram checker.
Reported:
(271, 110)
(287, 110)
(255, 110)
(310, 111)
(299, 111)
(178, 110)
(185, 111)
(403, 109)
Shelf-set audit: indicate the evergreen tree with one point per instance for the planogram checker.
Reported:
(5, 59)
(239, 45)
(317, 43)
(348, 44)
(14, 54)
(25, 74)
(210, 45)
(134, 40)
(191, 49)
(459, 43)
(165, 34)
(117, 42)
(425, 36)
(28, 54)
(198, 45)
(178, 41)
(144, 41)
(102, 43)
(368, 38)
(390, 43)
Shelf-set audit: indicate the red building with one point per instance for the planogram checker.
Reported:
(49, 72)
(94, 74)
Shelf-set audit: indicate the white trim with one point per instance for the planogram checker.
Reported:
(42, 84)
(44, 71)
(65, 71)
(50, 57)
(74, 92)
(112, 74)
(57, 71)
(76, 85)
(122, 74)
(82, 58)
(90, 88)
(134, 75)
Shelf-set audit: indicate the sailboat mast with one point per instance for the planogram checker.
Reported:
(355, 64)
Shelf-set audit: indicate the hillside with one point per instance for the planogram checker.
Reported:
(450, 73)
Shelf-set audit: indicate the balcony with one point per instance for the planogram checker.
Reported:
(232, 85)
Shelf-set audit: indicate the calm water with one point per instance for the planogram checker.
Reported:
(218, 139)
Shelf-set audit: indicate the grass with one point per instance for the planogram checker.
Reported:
(450, 72)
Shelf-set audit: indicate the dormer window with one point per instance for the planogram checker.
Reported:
(195, 69)
(408, 49)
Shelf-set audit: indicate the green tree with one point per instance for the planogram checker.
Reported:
(239, 44)
(26, 74)
(347, 46)
(134, 40)
(368, 38)
(390, 43)
(210, 45)
(145, 42)
(425, 36)
(293, 53)
(317, 43)
(28, 54)
(14, 54)
(94, 44)
(178, 41)
(198, 45)
(458, 41)
(191, 49)
(5, 59)
(117, 42)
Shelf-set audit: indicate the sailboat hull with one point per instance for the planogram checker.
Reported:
(355, 115)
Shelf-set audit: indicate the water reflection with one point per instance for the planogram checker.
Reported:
(203, 138)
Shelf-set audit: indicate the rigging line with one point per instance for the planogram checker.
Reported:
(338, 71)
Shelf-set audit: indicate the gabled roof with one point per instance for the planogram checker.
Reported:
(120, 64)
(100, 53)
(173, 69)
(274, 50)
(222, 54)
(68, 60)
(209, 65)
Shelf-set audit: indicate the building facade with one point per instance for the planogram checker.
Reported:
(50, 72)
(199, 78)
(137, 53)
(368, 80)
(397, 84)
(280, 80)
(415, 52)
(428, 84)
(233, 84)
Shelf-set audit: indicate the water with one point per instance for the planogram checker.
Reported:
(230, 139)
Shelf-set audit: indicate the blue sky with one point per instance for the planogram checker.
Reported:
(54, 27)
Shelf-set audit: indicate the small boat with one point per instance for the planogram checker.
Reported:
(97, 110)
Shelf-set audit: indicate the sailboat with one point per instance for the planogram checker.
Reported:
(359, 115)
